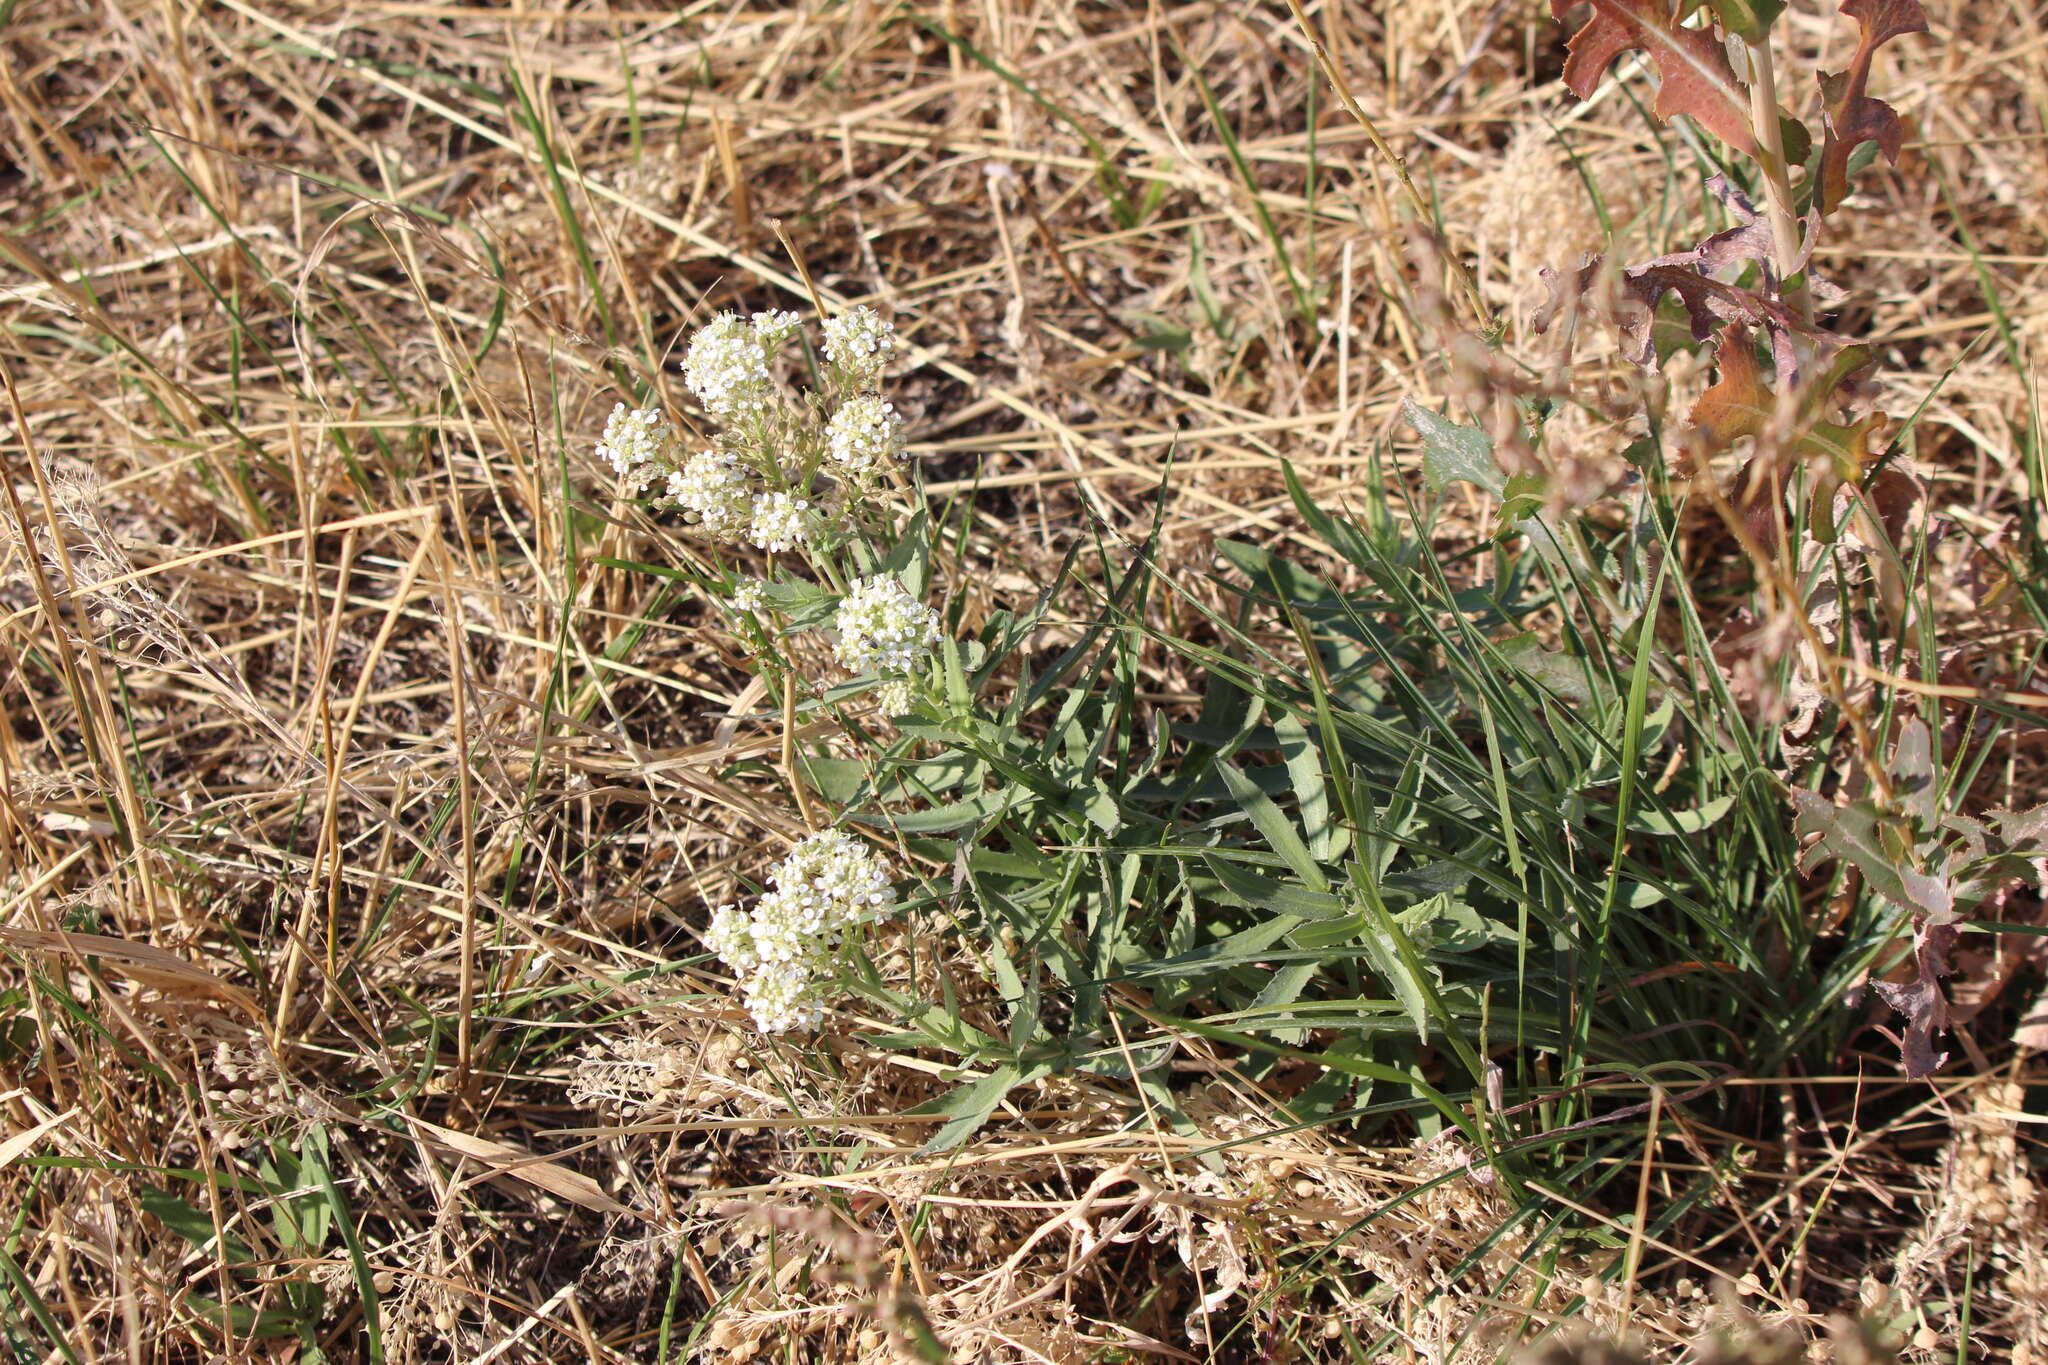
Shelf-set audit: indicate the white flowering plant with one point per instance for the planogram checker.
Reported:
(783, 950)
(805, 477)
(784, 469)
(800, 473)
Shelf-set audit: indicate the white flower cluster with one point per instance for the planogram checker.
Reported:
(882, 628)
(858, 344)
(727, 365)
(781, 472)
(639, 444)
(893, 697)
(780, 521)
(713, 492)
(864, 434)
(827, 884)
(748, 595)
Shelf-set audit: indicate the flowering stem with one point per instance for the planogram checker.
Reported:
(789, 769)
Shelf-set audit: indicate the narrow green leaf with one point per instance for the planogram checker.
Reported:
(1280, 833)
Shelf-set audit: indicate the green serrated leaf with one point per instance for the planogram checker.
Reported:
(1452, 453)
(1855, 834)
(969, 1106)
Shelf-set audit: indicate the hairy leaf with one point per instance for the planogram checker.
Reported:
(1856, 833)
(1693, 75)
(1453, 453)
(1850, 116)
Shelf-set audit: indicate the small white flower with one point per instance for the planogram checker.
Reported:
(712, 490)
(782, 997)
(835, 875)
(731, 935)
(727, 367)
(779, 521)
(864, 433)
(773, 329)
(882, 628)
(746, 595)
(639, 444)
(893, 698)
(826, 885)
(858, 344)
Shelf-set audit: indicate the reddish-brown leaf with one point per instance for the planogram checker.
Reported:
(1893, 495)
(1921, 1000)
(1693, 75)
(1884, 20)
(1738, 404)
(1852, 117)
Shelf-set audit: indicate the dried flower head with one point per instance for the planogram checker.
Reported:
(826, 885)
(882, 628)
(639, 444)
(864, 434)
(858, 344)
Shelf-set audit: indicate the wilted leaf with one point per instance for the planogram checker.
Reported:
(1707, 301)
(143, 962)
(1693, 75)
(1852, 117)
(1760, 496)
(1893, 494)
(1920, 999)
(1451, 453)
(1738, 404)
(1749, 240)
(506, 1159)
(2032, 1031)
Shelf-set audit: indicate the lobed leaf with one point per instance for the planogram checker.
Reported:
(1852, 117)
(1921, 1000)
(1738, 404)
(1855, 833)
(1693, 74)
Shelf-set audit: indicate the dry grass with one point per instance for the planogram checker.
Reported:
(402, 803)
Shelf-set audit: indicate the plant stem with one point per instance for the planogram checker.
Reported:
(1770, 156)
(1425, 219)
